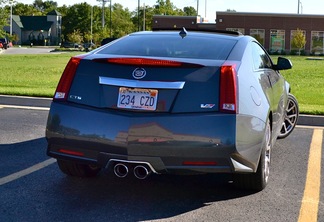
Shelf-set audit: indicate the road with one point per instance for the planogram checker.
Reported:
(33, 189)
(28, 50)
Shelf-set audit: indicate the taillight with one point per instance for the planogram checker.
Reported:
(147, 62)
(67, 77)
(71, 152)
(228, 89)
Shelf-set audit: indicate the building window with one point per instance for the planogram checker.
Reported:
(241, 30)
(277, 41)
(293, 48)
(317, 44)
(258, 34)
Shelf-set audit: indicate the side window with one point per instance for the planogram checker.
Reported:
(261, 59)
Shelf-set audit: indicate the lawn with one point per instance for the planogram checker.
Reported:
(306, 79)
(38, 75)
(31, 75)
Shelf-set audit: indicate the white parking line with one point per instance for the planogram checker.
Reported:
(309, 127)
(24, 107)
(27, 171)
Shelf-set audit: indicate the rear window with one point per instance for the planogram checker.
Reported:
(172, 45)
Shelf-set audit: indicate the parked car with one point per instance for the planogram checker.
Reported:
(89, 46)
(172, 102)
(4, 43)
(107, 40)
(71, 45)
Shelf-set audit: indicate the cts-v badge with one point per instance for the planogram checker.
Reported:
(207, 106)
(139, 73)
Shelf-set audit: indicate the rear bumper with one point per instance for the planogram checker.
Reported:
(168, 143)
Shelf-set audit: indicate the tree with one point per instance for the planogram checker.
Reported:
(46, 6)
(144, 13)
(87, 37)
(189, 11)
(84, 17)
(162, 7)
(3, 18)
(14, 38)
(78, 19)
(75, 37)
(25, 9)
(166, 8)
(121, 21)
(298, 40)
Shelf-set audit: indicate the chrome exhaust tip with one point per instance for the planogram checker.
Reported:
(120, 170)
(141, 172)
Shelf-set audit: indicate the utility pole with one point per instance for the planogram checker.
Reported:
(11, 2)
(138, 14)
(103, 13)
(197, 7)
(144, 17)
(110, 21)
(298, 7)
(205, 8)
(91, 23)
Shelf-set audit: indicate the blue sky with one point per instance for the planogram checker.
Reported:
(271, 6)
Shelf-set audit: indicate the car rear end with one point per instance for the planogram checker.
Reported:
(157, 102)
(4, 43)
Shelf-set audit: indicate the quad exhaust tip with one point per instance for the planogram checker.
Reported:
(141, 172)
(120, 170)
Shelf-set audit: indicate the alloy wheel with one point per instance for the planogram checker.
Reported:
(291, 117)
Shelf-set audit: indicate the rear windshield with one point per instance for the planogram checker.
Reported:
(172, 45)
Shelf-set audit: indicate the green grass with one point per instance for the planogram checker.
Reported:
(31, 75)
(38, 75)
(306, 79)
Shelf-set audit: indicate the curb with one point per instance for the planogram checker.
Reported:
(25, 101)
(310, 120)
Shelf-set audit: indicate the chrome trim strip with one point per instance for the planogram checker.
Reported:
(240, 167)
(140, 84)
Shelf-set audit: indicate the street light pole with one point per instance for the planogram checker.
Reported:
(298, 6)
(103, 14)
(144, 17)
(11, 2)
(91, 24)
(205, 8)
(110, 21)
(138, 14)
(197, 7)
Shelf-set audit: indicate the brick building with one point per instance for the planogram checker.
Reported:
(274, 31)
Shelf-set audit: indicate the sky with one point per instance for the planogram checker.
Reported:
(208, 8)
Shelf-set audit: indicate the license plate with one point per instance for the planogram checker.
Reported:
(142, 99)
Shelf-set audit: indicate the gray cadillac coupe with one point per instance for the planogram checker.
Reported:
(172, 102)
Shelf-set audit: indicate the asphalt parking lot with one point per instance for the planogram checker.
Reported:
(33, 189)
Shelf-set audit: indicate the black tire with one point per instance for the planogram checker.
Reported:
(78, 170)
(291, 117)
(258, 181)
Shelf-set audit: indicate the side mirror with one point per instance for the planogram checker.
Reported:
(282, 64)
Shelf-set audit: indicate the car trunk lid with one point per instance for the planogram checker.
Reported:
(136, 84)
